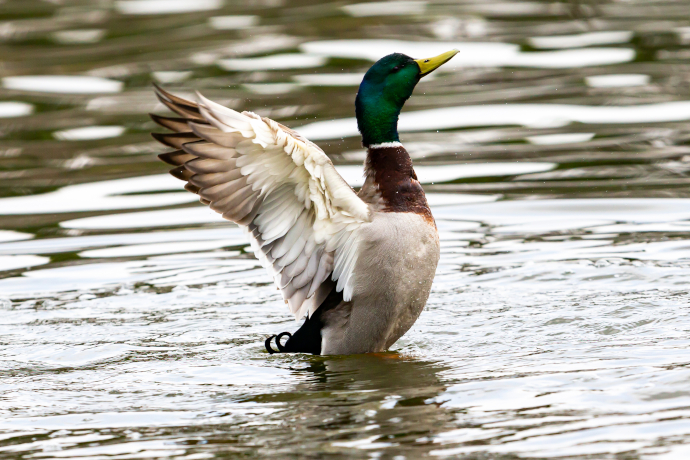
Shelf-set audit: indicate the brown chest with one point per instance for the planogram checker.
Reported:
(391, 183)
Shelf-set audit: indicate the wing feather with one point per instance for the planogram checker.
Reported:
(175, 140)
(179, 125)
(209, 180)
(214, 136)
(294, 252)
(299, 213)
(323, 272)
(176, 158)
(182, 173)
(299, 265)
(291, 237)
(209, 150)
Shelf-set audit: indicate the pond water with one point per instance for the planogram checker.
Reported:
(555, 151)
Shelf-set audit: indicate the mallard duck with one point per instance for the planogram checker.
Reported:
(357, 266)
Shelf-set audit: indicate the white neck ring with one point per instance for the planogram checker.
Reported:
(386, 145)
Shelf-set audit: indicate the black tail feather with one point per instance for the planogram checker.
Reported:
(307, 339)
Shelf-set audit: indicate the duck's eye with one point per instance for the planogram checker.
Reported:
(396, 68)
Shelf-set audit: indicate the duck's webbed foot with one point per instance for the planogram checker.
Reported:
(281, 348)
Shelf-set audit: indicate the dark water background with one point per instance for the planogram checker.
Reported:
(555, 148)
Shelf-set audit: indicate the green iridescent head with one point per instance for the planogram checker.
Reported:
(383, 92)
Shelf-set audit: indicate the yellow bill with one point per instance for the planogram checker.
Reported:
(426, 66)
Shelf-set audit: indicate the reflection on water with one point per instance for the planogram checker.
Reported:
(609, 37)
(15, 109)
(274, 62)
(73, 37)
(233, 22)
(529, 115)
(89, 133)
(137, 192)
(164, 218)
(554, 151)
(471, 54)
(62, 84)
(393, 8)
(614, 81)
(147, 7)
(332, 79)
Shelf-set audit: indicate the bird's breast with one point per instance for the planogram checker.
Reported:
(391, 184)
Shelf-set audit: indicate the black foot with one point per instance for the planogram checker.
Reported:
(281, 348)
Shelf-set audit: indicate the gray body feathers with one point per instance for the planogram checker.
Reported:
(399, 253)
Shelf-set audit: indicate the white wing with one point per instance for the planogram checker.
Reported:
(300, 214)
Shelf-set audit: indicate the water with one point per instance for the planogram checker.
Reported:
(555, 151)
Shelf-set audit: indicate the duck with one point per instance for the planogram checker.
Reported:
(357, 266)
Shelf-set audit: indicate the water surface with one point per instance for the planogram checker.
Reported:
(555, 151)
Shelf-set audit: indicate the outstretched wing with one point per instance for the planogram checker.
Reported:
(300, 215)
